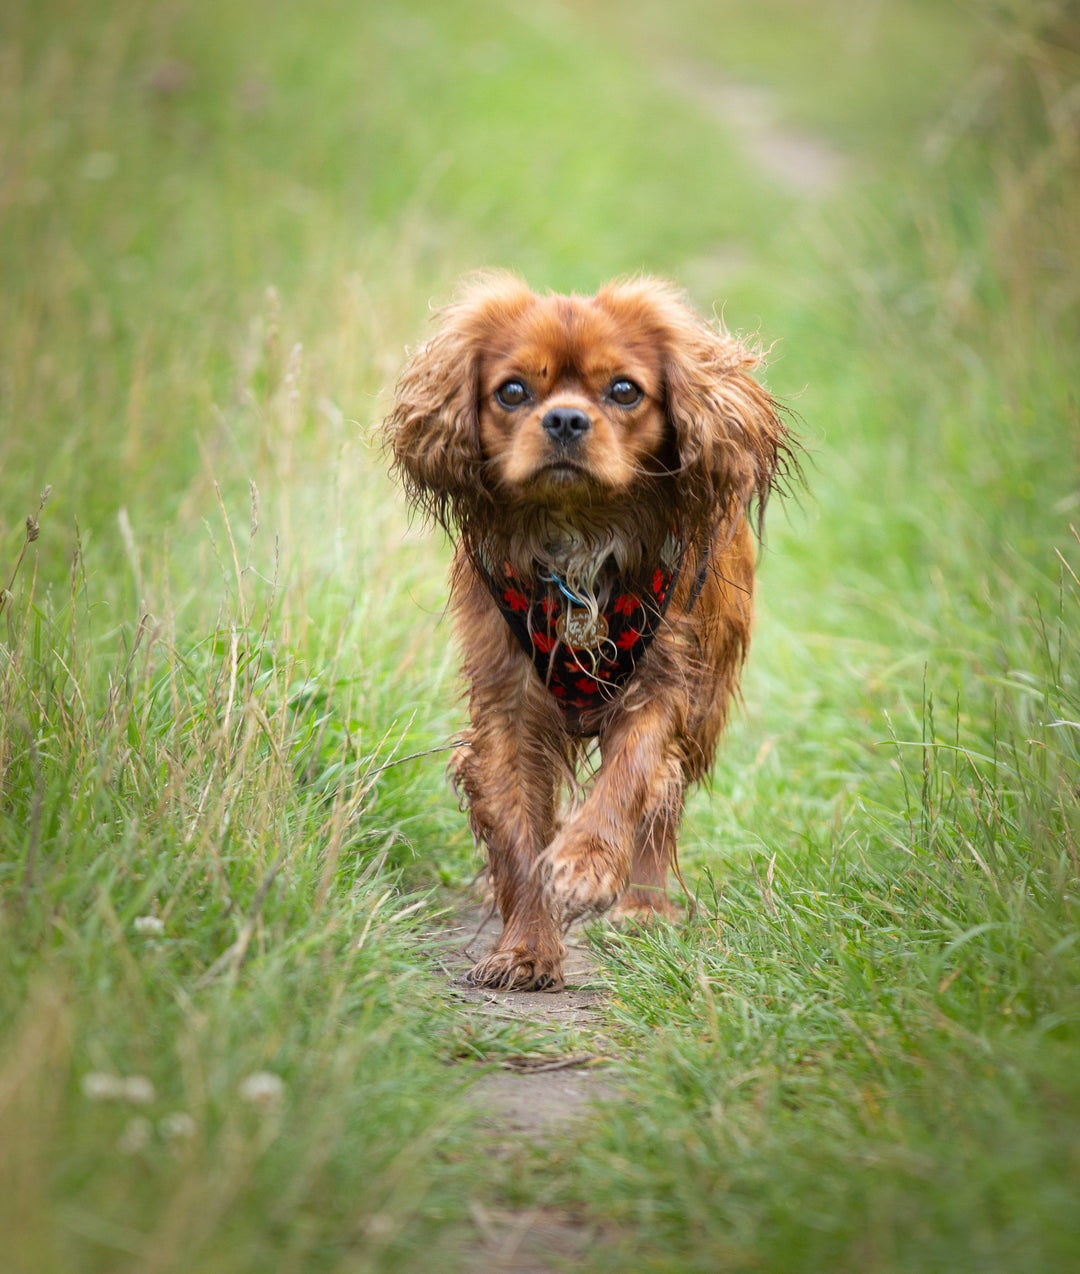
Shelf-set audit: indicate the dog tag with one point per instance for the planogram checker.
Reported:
(580, 630)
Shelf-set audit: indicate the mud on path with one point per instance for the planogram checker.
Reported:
(531, 1096)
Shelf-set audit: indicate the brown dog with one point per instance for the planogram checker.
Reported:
(595, 459)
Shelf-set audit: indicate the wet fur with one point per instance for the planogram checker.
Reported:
(693, 461)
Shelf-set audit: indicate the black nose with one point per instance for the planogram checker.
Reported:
(566, 424)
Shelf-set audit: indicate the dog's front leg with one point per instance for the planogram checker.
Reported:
(507, 771)
(654, 849)
(588, 864)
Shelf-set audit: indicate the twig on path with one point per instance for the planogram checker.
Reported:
(528, 1065)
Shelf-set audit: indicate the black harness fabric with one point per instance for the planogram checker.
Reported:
(584, 678)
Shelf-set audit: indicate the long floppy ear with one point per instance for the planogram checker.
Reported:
(732, 440)
(733, 446)
(433, 431)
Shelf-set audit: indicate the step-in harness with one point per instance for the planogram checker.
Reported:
(582, 653)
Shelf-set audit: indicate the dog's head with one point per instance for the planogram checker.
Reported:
(569, 402)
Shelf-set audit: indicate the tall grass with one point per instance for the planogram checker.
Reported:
(225, 681)
(219, 1048)
(862, 1053)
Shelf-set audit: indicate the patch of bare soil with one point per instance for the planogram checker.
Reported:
(794, 159)
(532, 1096)
(807, 165)
(538, 1241)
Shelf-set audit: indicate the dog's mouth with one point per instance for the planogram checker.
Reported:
(563, 470)
(557, 479)
(562, 479)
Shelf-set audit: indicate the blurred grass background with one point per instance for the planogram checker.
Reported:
(223, 648)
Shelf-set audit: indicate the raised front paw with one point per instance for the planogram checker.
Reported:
(583, 875)
(519, 969)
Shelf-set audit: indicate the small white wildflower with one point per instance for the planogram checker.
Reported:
(178, 1125)
(136, 1136)
(100, 1087)
(138, 1090)
(263, 1089)
(149, 926)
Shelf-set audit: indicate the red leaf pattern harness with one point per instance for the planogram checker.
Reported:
(584, 663)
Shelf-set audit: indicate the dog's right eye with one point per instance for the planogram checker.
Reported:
(511, 395)
(625, 392)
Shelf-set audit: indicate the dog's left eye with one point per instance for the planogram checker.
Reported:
(624, 392)
(512, 394)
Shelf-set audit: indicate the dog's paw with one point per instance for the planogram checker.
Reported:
(518, 969)
(583, 875)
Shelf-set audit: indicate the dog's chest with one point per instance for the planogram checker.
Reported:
(583, 648)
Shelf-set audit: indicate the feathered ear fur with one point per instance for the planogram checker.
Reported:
(730, 435)
(433, 431)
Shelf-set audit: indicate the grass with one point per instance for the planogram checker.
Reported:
(864, 1053)
(224, 679)
(195, 902)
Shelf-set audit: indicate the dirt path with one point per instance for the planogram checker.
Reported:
(795, 160)
(532, 1096)
(804, 164)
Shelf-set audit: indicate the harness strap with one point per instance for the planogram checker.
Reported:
(584, 660)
